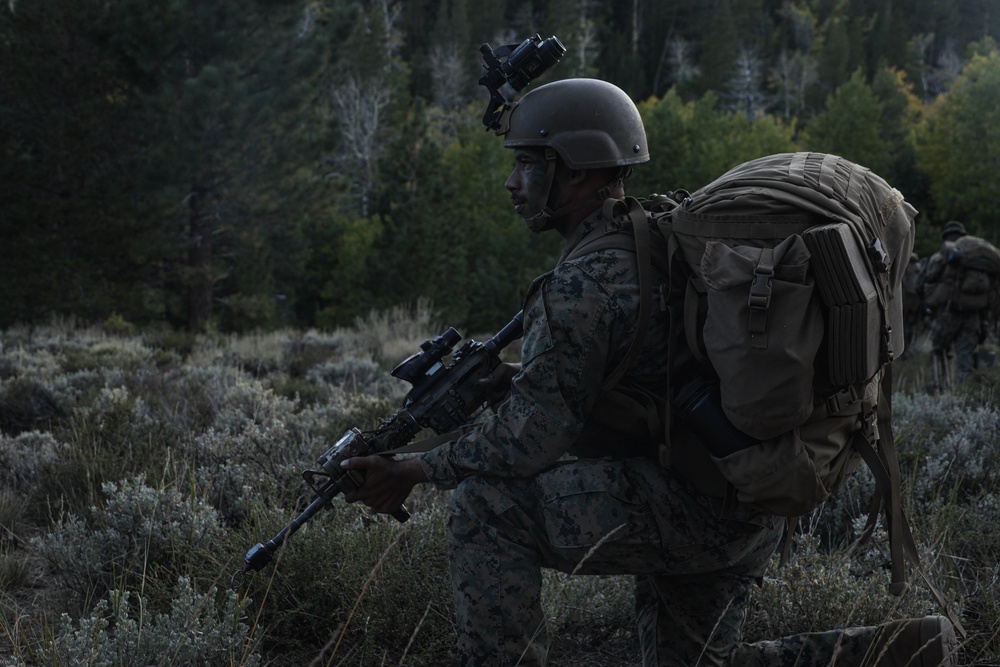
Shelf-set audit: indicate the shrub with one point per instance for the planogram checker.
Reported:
(195, 632)
(358, 376)
(300, 390)
(951, 441)
(588, 612)
(124, 354)
(138, 529)
(363, 587)
(311, 349)
(26, 405)
(26, 458)
(234, 420)
(16, 571)
(391, 335)
(116, 435)
(117, 325)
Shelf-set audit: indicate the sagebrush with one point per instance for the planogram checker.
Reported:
(138, 468)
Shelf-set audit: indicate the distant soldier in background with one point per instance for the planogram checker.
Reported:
(913, 306)
(959, 285)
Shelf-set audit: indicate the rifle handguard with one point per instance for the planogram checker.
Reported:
(444, 398)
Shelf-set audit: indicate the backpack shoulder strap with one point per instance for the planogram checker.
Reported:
(640, 232)
(633, 236)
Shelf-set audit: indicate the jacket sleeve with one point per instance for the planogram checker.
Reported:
(571, 321)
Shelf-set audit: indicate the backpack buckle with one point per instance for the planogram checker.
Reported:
(760, 289)
(868, 427)
(759, 301)
(843, 399)
(878, 256)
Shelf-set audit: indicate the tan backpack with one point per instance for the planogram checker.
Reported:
(793, 266)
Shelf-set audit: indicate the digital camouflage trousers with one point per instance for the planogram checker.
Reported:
(695, 570)
(956, 332)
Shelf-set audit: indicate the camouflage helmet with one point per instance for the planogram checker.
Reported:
(588, 122)
(952, 227)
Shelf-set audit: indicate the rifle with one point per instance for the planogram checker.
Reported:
(444, 397)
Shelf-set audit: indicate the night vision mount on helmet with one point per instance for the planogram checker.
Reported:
(509, 69)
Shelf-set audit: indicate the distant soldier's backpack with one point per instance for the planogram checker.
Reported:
(789, 271)
(968, 278)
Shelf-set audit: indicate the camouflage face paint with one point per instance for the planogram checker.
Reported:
(527, 183)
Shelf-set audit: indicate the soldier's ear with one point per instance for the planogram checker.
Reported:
(577, 176)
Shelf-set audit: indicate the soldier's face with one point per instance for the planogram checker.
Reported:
(526, 183)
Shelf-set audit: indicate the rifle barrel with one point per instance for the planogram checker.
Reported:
(510, 332)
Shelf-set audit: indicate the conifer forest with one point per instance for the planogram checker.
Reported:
(210, 165)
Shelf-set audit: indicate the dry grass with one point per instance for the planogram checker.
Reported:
(227, 423)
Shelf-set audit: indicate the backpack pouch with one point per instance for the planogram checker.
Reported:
(762, 332)
(793, 473)
(974, 292)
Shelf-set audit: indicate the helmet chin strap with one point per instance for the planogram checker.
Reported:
(545, 219)
(542, 220)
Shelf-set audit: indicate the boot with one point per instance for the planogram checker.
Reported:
(915, 642)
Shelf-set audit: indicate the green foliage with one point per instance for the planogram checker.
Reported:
(722, 44)
(65, 130)
(483, 279)
(196, 98)
(452, 240)
(196, 165)
(692, 143)
(957, 147)
(901, 111)
(835, 56)
(117, 325)
(350, 246)
(849, 126)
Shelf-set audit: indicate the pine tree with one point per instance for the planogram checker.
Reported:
(849, 126)
(720, 49)
(833, 52)
(70, 241)
(227, 100)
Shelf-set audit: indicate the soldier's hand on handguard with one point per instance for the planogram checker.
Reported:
(498, 383)
(388, 481)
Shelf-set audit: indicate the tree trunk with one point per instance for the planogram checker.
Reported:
(200, 282)
(635, 28)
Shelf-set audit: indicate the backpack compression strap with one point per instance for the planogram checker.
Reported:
(884, 465)
(885, 468)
